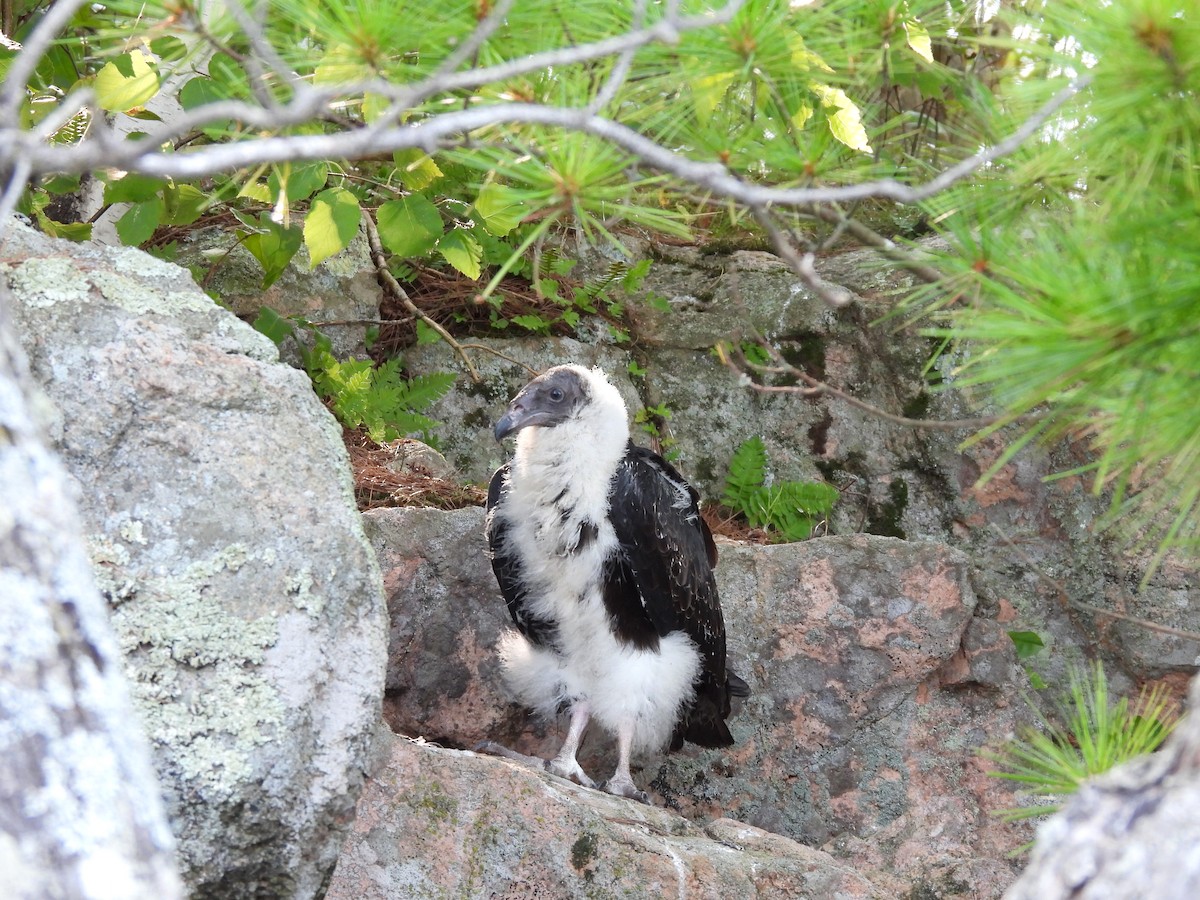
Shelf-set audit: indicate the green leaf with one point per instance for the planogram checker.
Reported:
(426, 334)
(425, 390)
(139, 221)
(1027, 643)
(918, 40)
(61, 184)
(416, 168)
(462, 251)
(331, 223)
(411, 226)
(184, 204)
(374, 106)
(341, 65)
(532, 322)
(747, 470)
(273, 246)
(500, 207)
(168, 48)
(132, 188)
(200, 91)
(73, 231)
(273, 325)
(255, 190)
(845, 122)
(298, 180)
(126, 82)
(707, 93)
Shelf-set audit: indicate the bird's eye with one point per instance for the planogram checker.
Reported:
(556, 395)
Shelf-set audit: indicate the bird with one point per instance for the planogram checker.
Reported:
(606, 567)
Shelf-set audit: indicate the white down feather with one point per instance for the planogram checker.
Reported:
(620, 682)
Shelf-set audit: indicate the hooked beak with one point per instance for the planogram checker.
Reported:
(517, 417)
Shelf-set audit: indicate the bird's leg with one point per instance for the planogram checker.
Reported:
(565, 765)
(621, 782)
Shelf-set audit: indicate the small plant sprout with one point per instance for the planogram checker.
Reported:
(1092, 734)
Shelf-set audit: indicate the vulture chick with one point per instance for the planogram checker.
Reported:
(606, 566)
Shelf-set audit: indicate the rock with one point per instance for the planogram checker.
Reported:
(342, 290)
(861, 736)
(1134, 832)
(1031, 538)
(447, 823)
(713, 298)
(411, 457)
(80, 815)
(218, 507)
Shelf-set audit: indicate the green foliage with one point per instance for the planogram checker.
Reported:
(652, 420)
(1027, 643)
(1094, 734)
(1071, 287)
(485, 208)
(331, 224)
(1076, 262)
(787, 510)
(361, 394)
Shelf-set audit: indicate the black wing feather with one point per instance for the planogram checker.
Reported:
(507, 565)
(665, 567)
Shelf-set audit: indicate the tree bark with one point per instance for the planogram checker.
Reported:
(80, 814)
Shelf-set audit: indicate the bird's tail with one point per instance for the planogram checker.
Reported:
(704, 723)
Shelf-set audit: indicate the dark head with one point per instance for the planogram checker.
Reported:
(550, 399)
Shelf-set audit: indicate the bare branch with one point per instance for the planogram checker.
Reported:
(12, 193)
(16, 79)
(620, 70)
(814, 386)
(834, 295)
(1088, 607)
(379, 257)
(265, 51)
(876, 241)
(428, 134)
(467, 49)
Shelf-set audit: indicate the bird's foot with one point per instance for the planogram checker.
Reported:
(623, 786)
(568, 769)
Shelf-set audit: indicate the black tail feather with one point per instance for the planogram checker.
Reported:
(736, 686)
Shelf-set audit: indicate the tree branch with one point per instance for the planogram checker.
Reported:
(1088, 607)
(815, 387)
(379, 257)
(16, 79)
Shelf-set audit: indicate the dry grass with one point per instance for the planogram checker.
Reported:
(384, 477)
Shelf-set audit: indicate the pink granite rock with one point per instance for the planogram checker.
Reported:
(874, 688)
(448, 823)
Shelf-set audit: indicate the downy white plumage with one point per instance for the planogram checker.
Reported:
(606, 567)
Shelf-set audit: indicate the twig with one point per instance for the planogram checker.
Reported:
(1088, 607)
(349, 322)
(485, 349)
(834, 216)
(12, 193)
(834, 295)
(620, 70)
(429, 133)
(266, 51)
(379, 258)
(467, 49)
(16, 79)
(816, 386)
